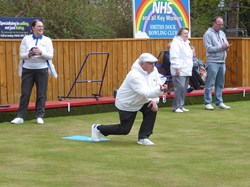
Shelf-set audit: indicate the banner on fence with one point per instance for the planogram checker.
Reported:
(160, 18)
(15, 27)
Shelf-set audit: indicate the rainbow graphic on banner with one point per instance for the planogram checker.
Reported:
(143, 9)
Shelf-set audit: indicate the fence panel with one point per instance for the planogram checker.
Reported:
(69, 55)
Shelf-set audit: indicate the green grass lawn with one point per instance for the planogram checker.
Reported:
(195, 149)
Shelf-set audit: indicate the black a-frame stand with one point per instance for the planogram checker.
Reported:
(96, 95)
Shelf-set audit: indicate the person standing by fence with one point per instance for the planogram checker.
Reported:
(36, 50)
(216, 45)
(181, 59)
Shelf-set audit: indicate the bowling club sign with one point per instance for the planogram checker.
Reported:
(160, 18)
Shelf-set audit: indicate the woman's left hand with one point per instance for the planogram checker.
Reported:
(36, 51)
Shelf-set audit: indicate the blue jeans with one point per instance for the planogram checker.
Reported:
(215, 78)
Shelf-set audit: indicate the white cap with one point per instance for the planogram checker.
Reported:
(147, 57)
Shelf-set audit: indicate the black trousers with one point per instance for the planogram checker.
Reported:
(196, 80)
(127, 120)
(39, 77)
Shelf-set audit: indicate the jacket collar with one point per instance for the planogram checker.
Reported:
(36, 38)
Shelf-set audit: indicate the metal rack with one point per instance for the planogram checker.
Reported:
(96, 95)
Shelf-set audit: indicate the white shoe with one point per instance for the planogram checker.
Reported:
(17, 121)
(145, 142)
(95, 133)
(222, 106)
(209, 107)
(178, 110)
(40, 121)
(184, 109)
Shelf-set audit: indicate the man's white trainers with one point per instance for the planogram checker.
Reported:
(39, 121)
(222, 106)
(95, 133)
(178, 110)
(17, 121)
(184, 109)
(145, 142)
(209, 107)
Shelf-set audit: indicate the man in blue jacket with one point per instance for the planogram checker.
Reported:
(216, 45)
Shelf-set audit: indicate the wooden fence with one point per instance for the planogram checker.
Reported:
(70, 54)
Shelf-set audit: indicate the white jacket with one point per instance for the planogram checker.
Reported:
(181, 57)
(37, 62)
(51, 68)
(138, 88)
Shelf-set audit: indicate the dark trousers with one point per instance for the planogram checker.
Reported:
(196, 80)
(39, 77)
(127, 120)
